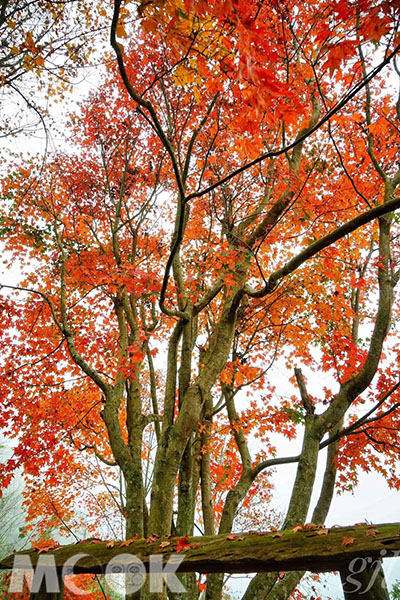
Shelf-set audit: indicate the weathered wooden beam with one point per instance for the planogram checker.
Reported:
(310, 549)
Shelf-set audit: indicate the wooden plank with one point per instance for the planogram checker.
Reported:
(310, 549)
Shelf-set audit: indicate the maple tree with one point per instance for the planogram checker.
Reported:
(230, 205)
(43, 47)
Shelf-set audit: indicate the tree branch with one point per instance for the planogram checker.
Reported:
(357, 88)
(324, 242)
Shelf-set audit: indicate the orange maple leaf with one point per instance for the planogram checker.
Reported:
(128, 542)
(347, 541)
(371, 532)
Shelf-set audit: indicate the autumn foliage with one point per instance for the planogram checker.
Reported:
(226, 214)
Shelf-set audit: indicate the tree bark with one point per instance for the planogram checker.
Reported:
(363, 578)
(43, 594)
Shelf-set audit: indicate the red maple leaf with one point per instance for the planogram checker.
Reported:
(182, 544)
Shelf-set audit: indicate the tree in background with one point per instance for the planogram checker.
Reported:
(230, 206)
(395, 592)
(43, 47)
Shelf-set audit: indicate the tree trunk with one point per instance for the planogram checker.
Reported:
(43, 594)
(364, 578)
